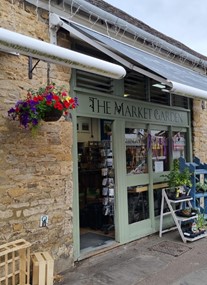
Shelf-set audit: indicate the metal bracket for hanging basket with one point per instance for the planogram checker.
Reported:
(30, 68)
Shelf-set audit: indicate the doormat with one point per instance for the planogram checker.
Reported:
(93, 240)
(171, 248)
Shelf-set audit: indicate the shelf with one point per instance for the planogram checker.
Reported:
(199, 175)
(200, 195)
(180, 218)
(177, 219)
(180, 200)
(184, 219)
(197, 237)
(200, 171)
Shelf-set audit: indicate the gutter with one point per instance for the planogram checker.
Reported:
(173, 86)
(106, 16)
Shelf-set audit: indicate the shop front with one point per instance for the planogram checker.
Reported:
(123, 148)
(99, 175)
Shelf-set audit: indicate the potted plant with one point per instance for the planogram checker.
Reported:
(178, 180)
(47, 103)
(197, 227)
(201, 187)
(200, 221)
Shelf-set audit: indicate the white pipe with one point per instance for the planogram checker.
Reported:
(188, 91)
(15, 42)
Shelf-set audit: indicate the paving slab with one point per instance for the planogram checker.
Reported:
(137, 263)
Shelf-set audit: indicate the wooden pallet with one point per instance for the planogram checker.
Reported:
(43, 266)
(15, 263)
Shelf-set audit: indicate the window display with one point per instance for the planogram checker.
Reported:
(138, 205)
(179, 144)
(160, 151)
(136, 151)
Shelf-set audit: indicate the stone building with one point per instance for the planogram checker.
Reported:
(127, 126)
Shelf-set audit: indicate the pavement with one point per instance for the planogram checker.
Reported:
(140, 263)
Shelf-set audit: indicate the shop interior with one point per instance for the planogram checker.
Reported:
(96, 183)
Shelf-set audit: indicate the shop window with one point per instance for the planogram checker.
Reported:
(158, 142)
(158, 199)
(179, 144)
(138, 204)
(157, 202)
(136, 151)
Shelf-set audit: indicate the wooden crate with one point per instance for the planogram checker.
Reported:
(43, 267)
(15, 263)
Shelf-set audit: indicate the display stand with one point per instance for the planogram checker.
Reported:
(108, 187)
(183, 203)
(199, 174)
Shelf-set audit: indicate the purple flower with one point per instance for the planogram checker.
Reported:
(34, 122)
(49, 97)
(24, 105)
(33, 103)
(20, 102)
(76, 101)
(12, 110)
(24, 119)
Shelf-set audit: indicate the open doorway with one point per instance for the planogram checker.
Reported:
(96, 184)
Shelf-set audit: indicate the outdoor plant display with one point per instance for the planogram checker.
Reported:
(47, 103)
(178, 180)
(197, 227)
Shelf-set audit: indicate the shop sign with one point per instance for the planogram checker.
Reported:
(115, 108)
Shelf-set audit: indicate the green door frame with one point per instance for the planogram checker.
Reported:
(145, 113)
(144, 227)
(120, 204)
(76, 214)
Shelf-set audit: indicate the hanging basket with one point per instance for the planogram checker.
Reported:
(52, 115)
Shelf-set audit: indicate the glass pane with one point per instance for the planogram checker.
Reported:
(160, 150)
(138, 205)
(158, 200)
(179, 145)
(136, 151)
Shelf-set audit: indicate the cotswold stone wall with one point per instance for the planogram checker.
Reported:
(200, 130)
(35, 172)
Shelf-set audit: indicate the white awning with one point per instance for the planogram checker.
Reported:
(15, 42)
(188, 91)
(179, 79)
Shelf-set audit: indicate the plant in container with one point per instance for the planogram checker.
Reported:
(200, 221)
(201, 187)
(178, 181)
(197, 227)
(47, 103)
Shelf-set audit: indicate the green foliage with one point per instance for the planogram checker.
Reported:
(177, 178)
(201, 186)
(200, 221)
